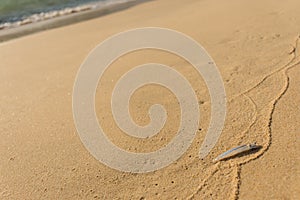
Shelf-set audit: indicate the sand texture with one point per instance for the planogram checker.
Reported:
(256, 46)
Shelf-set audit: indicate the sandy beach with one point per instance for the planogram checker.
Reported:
(256, 47)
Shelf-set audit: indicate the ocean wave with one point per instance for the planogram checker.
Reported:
(42, 16)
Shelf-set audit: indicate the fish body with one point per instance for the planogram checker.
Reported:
(236, 150)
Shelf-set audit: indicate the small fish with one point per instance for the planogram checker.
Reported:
(235, 151)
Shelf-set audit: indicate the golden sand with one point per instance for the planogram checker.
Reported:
(256, 47)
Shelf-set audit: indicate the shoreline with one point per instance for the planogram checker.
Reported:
(64, 20)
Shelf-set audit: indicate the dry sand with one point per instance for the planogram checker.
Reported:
(256, 47)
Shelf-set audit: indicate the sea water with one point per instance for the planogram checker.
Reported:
(17, 10)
